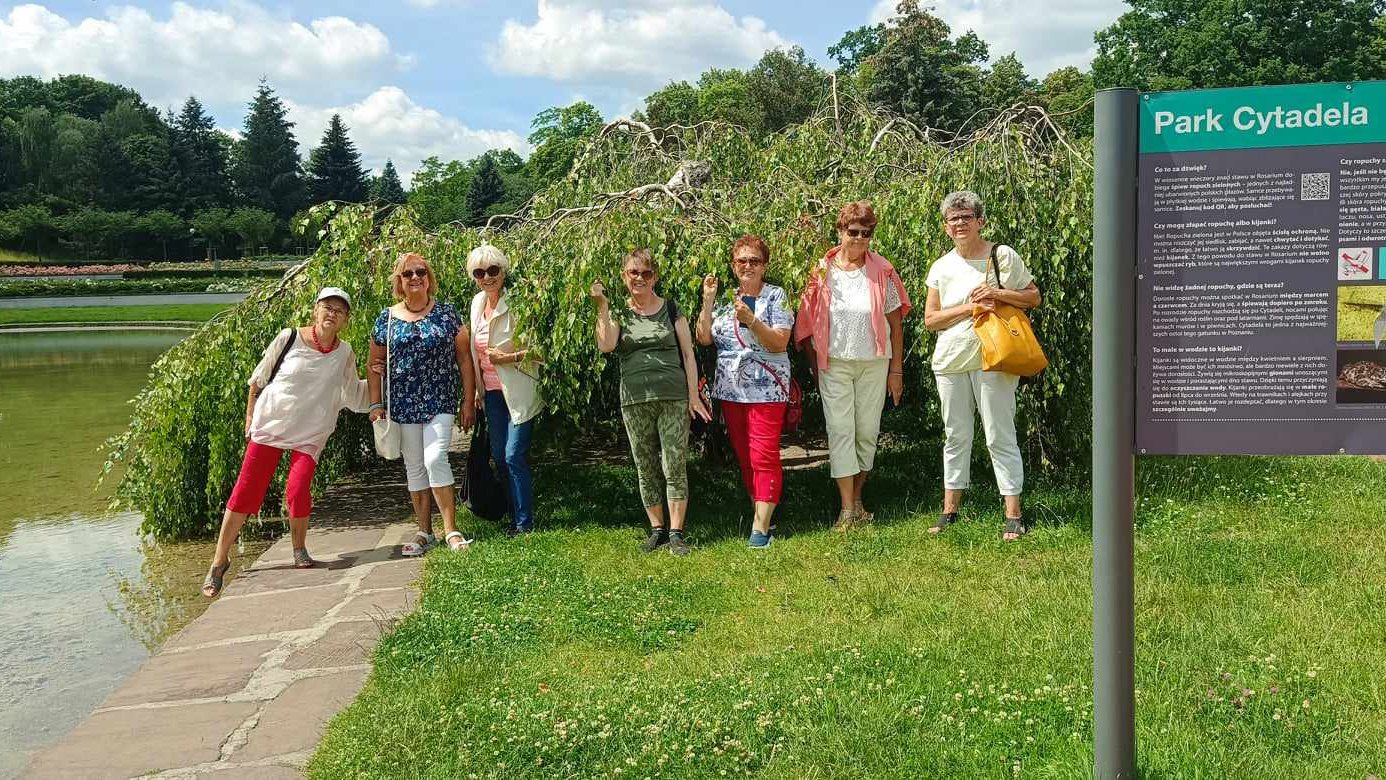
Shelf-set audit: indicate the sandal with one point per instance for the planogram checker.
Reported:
(211, 587)
(863, 516)
(845, 520)
(302, 560)
(463, 543)
(1014, 525)
(419, 545)
(944, 520)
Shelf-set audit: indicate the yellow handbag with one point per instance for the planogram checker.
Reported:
(1008, 342)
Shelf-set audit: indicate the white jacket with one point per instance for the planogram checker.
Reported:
(519, 381)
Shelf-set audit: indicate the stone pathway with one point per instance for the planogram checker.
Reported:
(246, 689)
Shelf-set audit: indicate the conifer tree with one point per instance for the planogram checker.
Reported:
(487, 189)
(266, 170)
(201, 158)
(387, 187)
(334, 167)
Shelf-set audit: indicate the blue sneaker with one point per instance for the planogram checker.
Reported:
(758, 541)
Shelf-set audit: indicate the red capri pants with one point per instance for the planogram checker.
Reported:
(258, 469)
(754, 430)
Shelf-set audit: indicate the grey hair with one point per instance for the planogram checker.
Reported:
(963, 200)
(489, 255)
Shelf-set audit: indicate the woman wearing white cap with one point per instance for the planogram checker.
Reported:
(306, 376)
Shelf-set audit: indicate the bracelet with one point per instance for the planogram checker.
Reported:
(901, 373)
(375, 406)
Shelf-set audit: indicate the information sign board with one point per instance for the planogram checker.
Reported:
(1261, 270)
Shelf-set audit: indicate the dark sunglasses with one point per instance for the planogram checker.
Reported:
(422, 273)
(638, 273)
(749, 260)
(481, 273)
(854, 233)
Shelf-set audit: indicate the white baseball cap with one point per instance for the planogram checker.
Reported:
(333, 292)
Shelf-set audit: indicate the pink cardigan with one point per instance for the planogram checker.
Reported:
(813, 321)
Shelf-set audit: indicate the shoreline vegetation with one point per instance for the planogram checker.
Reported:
(886, 652)
(108, 315)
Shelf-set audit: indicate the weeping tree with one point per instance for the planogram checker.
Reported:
(685, 192)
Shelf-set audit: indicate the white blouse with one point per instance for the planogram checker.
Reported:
(298, 410)
(955, 277)
(849, 316)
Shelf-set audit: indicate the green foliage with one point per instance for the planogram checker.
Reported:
(1068, 95)
(185, 440)
(334, 167)
(558, 133)
(48, 288)
(254, 226)
(923, 74)
(857, 46)
(439, 193)
(266, 167)
(386, 187)
(164, 226)
(485, 191)
(1005, 84)
(783, 88)
(202, 157)
(1172, 44)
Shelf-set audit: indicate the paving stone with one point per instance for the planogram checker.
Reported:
(262, 614)
(285, 577)
(381, 605)
(200, 674)
(345, 644)
(167, 738)
(395, 574)
(326, 544)
(294, 721)
(272, 772)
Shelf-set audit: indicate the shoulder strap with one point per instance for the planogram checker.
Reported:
(672, 309)
(996, 267)
(283, 353)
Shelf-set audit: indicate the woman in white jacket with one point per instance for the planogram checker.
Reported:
(506, 373)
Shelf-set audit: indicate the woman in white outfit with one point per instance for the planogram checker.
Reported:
(961, 284)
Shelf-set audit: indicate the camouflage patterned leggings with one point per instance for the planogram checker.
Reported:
(658, 433)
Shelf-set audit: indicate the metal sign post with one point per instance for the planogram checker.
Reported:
(1113, 432)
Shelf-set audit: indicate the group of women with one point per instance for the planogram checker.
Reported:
(429, 369)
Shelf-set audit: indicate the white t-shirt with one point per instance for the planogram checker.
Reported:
(850, 336)
(298, 410)
(955, 277)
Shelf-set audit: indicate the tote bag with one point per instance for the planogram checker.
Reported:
(1008, 342)
(485, 493)
(387, 441)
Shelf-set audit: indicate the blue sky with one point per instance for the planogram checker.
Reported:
(414, 78)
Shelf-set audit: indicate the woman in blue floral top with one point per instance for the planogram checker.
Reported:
(751, 332)
(429, 361)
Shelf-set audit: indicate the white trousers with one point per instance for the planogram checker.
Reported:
(993, 394)
(853, 394)
(424, 447)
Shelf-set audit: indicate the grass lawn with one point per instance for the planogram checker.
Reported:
(189, 312)
(886, 652)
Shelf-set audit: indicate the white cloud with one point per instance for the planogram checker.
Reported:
(634, 44)
(389, 124)
(1044, 34)
(219, 55)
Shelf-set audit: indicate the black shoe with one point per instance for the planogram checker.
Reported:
(511, 532)
(677, 546)
(658, 538)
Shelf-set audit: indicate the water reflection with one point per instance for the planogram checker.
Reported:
(82, 598)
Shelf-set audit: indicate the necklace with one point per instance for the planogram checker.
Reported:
(412, 310)
(314, 332)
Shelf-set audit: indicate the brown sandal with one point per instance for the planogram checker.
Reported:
(302, 560)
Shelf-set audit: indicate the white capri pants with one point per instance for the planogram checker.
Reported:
(993, 394)
(424, 447)
(853, 394)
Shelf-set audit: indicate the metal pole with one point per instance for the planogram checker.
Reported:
(1113, 432)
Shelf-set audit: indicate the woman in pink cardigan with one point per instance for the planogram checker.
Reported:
(850, 326)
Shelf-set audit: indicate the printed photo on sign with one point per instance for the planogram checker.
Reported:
(1361, 376)
(1362, 313)
(1354, 262)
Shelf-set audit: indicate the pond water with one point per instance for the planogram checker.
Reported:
(83, 599)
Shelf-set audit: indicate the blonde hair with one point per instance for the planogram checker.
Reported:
(643, 257)
(490, 255)
(397, 284)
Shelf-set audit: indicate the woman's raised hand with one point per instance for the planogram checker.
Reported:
(709, 288)
(598, 292)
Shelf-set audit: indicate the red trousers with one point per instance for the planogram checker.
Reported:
(754, 430)
(257, 469)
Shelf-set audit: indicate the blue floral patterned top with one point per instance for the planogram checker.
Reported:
(744, 366)
(425, 380)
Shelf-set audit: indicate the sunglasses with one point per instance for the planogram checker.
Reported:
(638, 273)
(481, 273)
(854, 233)
(422, 273)
(960, 219)
(749, 260)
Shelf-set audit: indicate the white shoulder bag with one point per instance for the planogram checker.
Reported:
(387, 442)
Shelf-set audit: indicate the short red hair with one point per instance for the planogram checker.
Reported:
(397, 282)
(858, 212)
(755, 242)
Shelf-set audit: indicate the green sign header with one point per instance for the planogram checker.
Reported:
(1259, 117)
